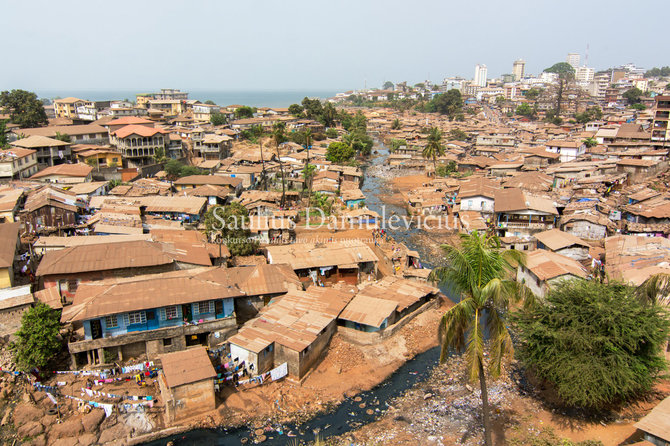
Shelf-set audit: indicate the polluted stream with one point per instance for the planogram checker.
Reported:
(352, 413)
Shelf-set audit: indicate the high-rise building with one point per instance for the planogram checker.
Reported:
(481, 73)
(660, 130)
(584, 74)
(518, 69)
(573, 59)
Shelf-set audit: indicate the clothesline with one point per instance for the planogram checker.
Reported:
(91, 393)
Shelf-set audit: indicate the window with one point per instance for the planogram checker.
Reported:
(204, 307)
(72, 285)
(167, 342)
(137, 317)
(171, 312)
(111, 321)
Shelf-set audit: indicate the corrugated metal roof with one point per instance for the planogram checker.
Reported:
(187, 366)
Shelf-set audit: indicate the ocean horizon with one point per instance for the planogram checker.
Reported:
(253, 98)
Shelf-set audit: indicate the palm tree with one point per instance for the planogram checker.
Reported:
(434, 148)
(655, 290)
(480, 272)
(279, 138)
(308, 145)
(590, 142)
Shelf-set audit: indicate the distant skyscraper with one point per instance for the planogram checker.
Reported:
(480, 75)
(518, 69)
(573, 59)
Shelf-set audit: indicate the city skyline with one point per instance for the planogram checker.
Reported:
(298, 45)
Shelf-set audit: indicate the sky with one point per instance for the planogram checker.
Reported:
(336, 45)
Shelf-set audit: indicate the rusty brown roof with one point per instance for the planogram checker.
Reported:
(187, 366)
(113, 296)
(657, 422)
(102, 257)
(9, 234)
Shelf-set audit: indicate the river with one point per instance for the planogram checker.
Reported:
(347, 416)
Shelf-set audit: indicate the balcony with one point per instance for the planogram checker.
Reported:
(525, 225)
(226, 324)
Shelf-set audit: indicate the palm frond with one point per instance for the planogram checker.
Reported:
(655, 290)
(500, 341)
(453, 327)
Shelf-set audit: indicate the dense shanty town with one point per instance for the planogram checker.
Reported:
(155, 315)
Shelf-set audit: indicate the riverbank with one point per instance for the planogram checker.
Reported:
(344, 371)
(445, 409)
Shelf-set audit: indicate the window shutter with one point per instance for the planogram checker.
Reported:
(211, 306)
(179, 313)
(195, 309)
(161, 314)
(126, 319)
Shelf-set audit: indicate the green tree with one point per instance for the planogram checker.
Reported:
(244, 112)
(396, 124)
(296, 110)
(590, 142)
(566, 75)
(173, 168)
(359, 141)
(638, 106)
(525, 110)
(230, 225)
(159, 155)
(278, 138)
(313, 108)
(210, 102)
(388, 85)
(62, 137)
(340, 152)
(38, 339)
(596, 342)
(328, 115)
(322, 201)
(449, 103)
(395, 144)
(191, 170)
(590, 114)
(217, 118)
(632, 96)
(332, 133)
(533, 93)
(434, 148)
(308, 174)
(479, 272)
(4, 141)
(458, 135)
(24, 108)
(500, 100)
(357, 121)
(658, 72)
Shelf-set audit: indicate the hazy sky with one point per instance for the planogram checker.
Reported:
(312, 44)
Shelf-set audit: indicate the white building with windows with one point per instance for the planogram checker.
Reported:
(481, 73)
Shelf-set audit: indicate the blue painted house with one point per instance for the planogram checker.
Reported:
(151, 314)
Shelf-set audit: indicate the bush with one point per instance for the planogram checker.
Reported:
(596, 343)
(339, 152)
(38, 339)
